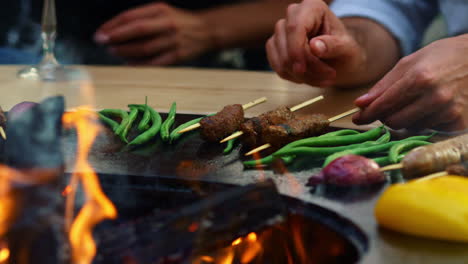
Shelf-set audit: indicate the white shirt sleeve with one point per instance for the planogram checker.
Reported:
(407, 20)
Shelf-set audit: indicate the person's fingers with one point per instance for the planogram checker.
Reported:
(318, 72)
(273, 57)
(390, 99)
(454, 125)
(140, 29)
(396, 74)
(329, 46)
(442, 116)
(411, 115)
(144, 48)
(302, 22)
(129, 16)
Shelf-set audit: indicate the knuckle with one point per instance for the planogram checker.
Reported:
(442, 97)
(172, 24)
(162, 7)
(405, 60)
(291, 9)
(455, 112)
(141, 27)
(291, 26)
(424, 76)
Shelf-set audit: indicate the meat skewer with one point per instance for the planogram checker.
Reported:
(434, 158)
(312, 125)
(3, 121)
(275, 117)
(244, 107)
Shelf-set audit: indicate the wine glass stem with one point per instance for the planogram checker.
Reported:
(49, 29)
(48, 43)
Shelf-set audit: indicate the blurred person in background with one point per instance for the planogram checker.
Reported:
(357, 42)
(203, 33)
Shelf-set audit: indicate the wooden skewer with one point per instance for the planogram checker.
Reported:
(392, 167)
(293, 109)
(245, 107)
(432, 176)
(342, 115)
(2, 133)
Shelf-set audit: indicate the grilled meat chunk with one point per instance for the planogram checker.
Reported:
(301, 127)
(225, 122)
(253, 128)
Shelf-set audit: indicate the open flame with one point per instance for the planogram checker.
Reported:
(242, 250)
(4, 253)
(97, 207)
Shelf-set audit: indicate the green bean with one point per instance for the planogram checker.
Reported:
(165, 135)
(131, 118)
(372, 149)
(326, 151)
(152, 131)
(144, 122)
(111, 123)
(267, 160)
(175, 133)
(396, 149)
(320, 151)
(119, 113)
(229, 146)
(384, 161)
(342, 132)
(336, 140)
(385, 138)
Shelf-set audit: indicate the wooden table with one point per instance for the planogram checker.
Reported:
(195, 91)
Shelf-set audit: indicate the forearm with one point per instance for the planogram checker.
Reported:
(380, 49)
(245, 24)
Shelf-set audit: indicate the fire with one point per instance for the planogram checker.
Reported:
(242, 250)
(4, 253)
(237, 242)
(67, 190)
(97, 207)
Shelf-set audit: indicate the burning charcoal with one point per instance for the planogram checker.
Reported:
(213, 222)
(34, 137)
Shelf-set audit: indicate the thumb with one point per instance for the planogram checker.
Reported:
(329, 46)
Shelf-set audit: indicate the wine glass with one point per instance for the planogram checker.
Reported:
(48, 69)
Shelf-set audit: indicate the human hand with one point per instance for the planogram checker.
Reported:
(427, 89)
(155, 34)
(311, 45)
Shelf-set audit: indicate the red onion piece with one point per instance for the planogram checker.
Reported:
(352, 170)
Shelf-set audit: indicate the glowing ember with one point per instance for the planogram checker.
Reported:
(67, 190)
(4, 253)
(207, 259)
(242, 250)
(97, 207)
(237, 241)
(252, 237)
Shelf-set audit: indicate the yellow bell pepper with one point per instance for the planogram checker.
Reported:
(436, 208)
